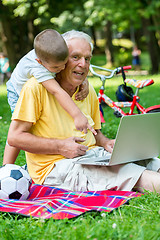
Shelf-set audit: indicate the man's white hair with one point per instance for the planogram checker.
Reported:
(77, 34)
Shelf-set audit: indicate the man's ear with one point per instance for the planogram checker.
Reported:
(38, 60)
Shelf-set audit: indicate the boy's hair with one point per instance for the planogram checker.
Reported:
(49, 45)
(77, 34)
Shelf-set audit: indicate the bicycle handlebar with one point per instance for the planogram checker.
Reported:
(127, 67)
(114, 71)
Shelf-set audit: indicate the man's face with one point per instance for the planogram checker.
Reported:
(78, 63)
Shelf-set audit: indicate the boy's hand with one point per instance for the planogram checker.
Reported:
(83, 90)
(81, 124)
(92, 129)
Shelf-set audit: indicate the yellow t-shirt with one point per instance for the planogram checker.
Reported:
(50, 120)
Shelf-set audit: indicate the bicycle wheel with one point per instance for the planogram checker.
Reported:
(154, 110)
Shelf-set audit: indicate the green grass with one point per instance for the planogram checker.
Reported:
(138, 220)
(5, 119)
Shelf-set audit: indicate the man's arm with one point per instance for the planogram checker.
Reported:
(103, 141)
(19, 136)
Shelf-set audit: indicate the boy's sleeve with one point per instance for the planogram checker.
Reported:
(41, 73)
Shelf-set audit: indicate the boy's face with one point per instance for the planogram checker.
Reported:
(54, 66)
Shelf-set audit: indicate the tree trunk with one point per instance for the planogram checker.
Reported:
(30, 33)
(7, 34)
(94, 37)
(153, 47)
(7, 39)
(109, 45)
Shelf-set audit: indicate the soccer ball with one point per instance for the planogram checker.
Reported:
(14, 182)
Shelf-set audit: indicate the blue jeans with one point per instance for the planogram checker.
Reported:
(11, 95)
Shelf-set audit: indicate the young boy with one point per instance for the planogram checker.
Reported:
(49, 56)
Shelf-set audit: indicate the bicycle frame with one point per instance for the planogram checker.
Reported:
(116, 106)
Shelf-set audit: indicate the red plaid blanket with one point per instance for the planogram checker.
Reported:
(49, 202)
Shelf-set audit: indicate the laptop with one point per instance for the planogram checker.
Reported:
(138, 138)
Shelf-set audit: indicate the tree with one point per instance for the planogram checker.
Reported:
(6, 33)
(142, 14)
(18, 27)
(150, 17)
(21, 20)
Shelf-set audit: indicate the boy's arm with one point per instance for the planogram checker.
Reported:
(68, 104)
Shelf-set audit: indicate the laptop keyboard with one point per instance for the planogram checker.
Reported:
(104, 160)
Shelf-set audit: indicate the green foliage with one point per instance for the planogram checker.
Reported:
(81, 14)
(26, 18)
(68, 21)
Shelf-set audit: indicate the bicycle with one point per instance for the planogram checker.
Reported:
(125, 95)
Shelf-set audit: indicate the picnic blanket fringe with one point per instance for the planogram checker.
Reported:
(50, 202)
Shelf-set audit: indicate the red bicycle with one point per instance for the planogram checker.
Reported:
(125, 95)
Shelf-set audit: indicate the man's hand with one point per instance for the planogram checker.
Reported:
(20, 137)
(72, 148)
(109, 145)
(105, 142)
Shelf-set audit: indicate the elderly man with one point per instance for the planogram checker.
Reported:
(42, 128)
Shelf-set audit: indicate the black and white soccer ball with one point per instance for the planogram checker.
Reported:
(14, 182)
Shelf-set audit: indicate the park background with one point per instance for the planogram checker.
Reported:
(115, 26)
